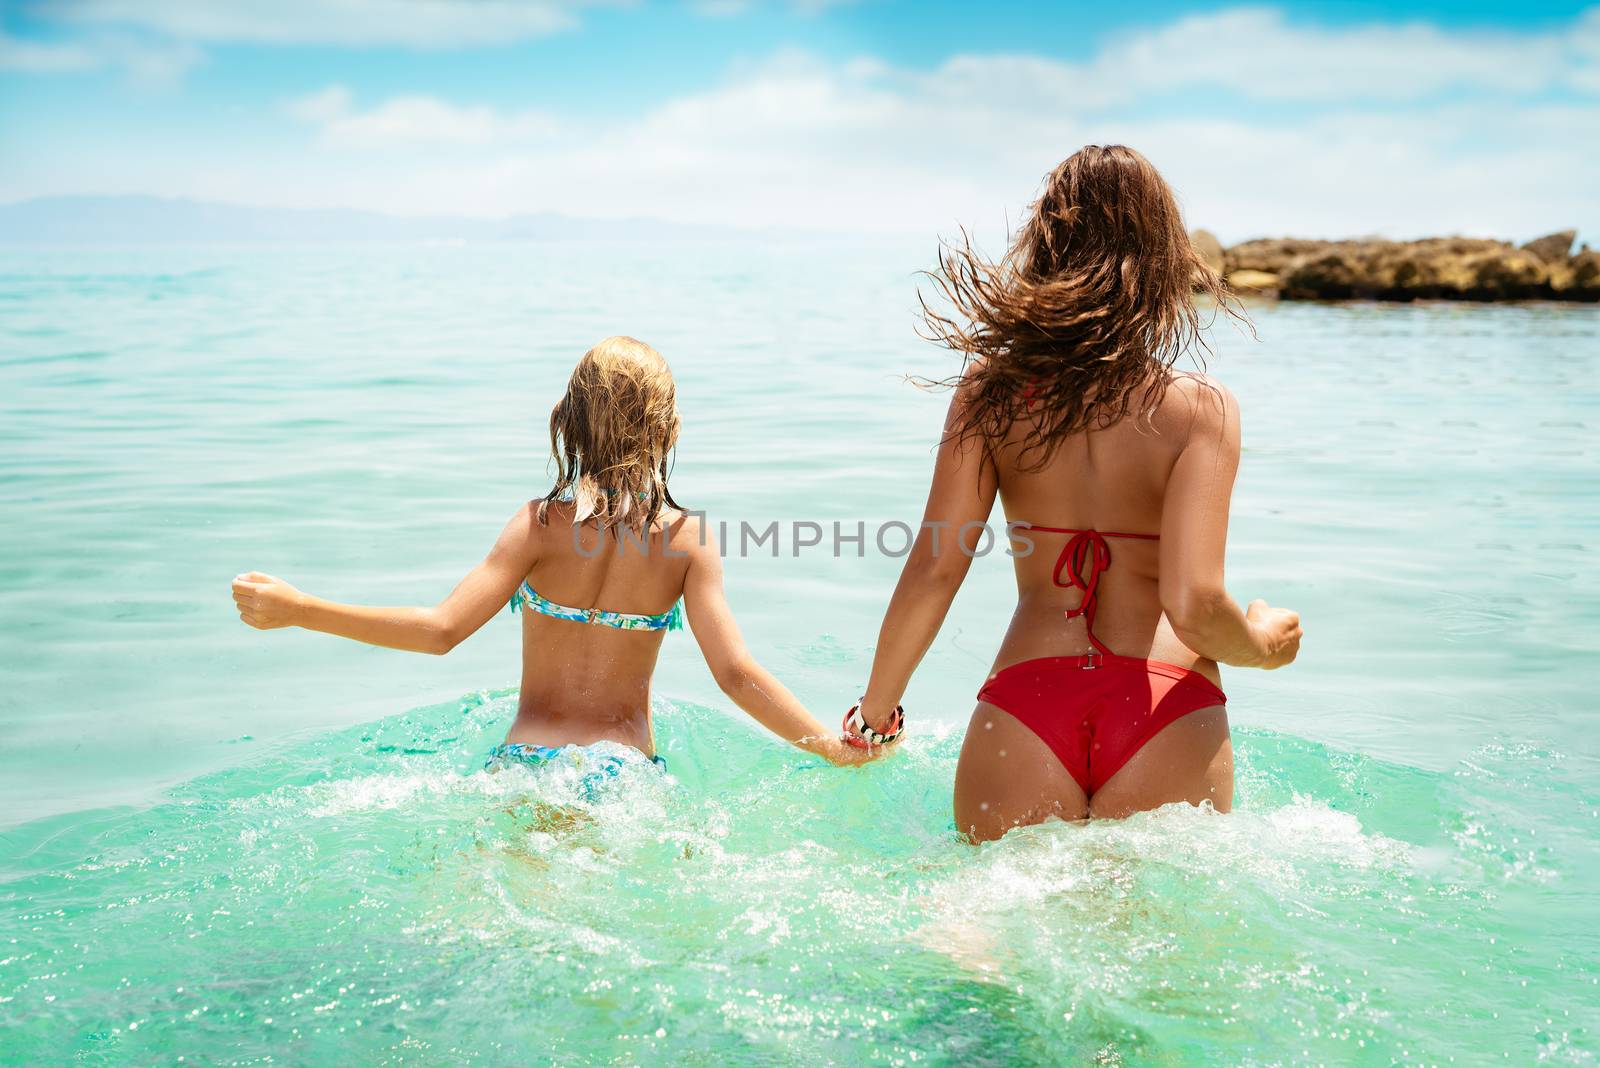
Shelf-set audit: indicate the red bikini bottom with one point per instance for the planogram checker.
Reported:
(1095, 712)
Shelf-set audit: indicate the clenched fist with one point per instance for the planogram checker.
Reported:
(1278, 633)
(266, 603)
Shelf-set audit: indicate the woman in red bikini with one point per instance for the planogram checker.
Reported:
(1115, 471)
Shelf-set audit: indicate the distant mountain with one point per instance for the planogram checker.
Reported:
(139, 220)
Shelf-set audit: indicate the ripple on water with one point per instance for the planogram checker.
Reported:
(354, 895)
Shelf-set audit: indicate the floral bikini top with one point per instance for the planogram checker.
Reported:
(526, 597)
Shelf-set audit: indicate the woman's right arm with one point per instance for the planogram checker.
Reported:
(740, 676)
(1194, 535)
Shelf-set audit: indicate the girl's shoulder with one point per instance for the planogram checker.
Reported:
(538, 516)
(686, 532)
(549, 522)
(551, 509)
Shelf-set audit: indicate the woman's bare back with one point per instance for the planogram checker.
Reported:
(1113, 481)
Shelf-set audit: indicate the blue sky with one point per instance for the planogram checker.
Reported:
(1327, 119)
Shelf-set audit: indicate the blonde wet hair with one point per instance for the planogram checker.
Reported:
(612, 434)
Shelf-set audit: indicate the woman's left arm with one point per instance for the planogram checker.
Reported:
(953, 525)
(268, 603)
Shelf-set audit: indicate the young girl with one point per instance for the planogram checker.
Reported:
(598, 568)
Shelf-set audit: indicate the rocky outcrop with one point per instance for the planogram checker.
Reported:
(1441, 268)
(1579, 277)
(1552, 248)
(1205, 242)
(1259, 282)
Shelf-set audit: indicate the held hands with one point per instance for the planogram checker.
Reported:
(266, 603)
(861, 742)
(842, 754)
(1277, 632)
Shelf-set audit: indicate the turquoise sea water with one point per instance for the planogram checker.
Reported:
(234, 847)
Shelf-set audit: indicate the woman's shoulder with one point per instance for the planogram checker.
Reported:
(1198, 407)
(1198, 398)
(1195, 385)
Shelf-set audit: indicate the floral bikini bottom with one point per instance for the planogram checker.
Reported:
(598, 762)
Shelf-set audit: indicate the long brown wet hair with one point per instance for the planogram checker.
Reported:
(1083, 318)
(612, 435)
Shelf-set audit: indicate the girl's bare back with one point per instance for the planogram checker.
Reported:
(583, 683)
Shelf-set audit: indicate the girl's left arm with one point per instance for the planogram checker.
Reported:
(959, 502)
(267, 603)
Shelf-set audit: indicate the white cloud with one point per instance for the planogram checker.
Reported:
(1471, 133)
(414, 120)
(1259, 54)
(323, 106)
(1585, 46)
(722, 9)
(811, 146)
(39, 57)
(151, 63)
(414, 23)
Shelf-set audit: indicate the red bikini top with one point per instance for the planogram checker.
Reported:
(1083, 558)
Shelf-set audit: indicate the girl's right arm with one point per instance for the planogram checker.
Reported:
(741, 677)
(1194, 531)
(267, 603)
